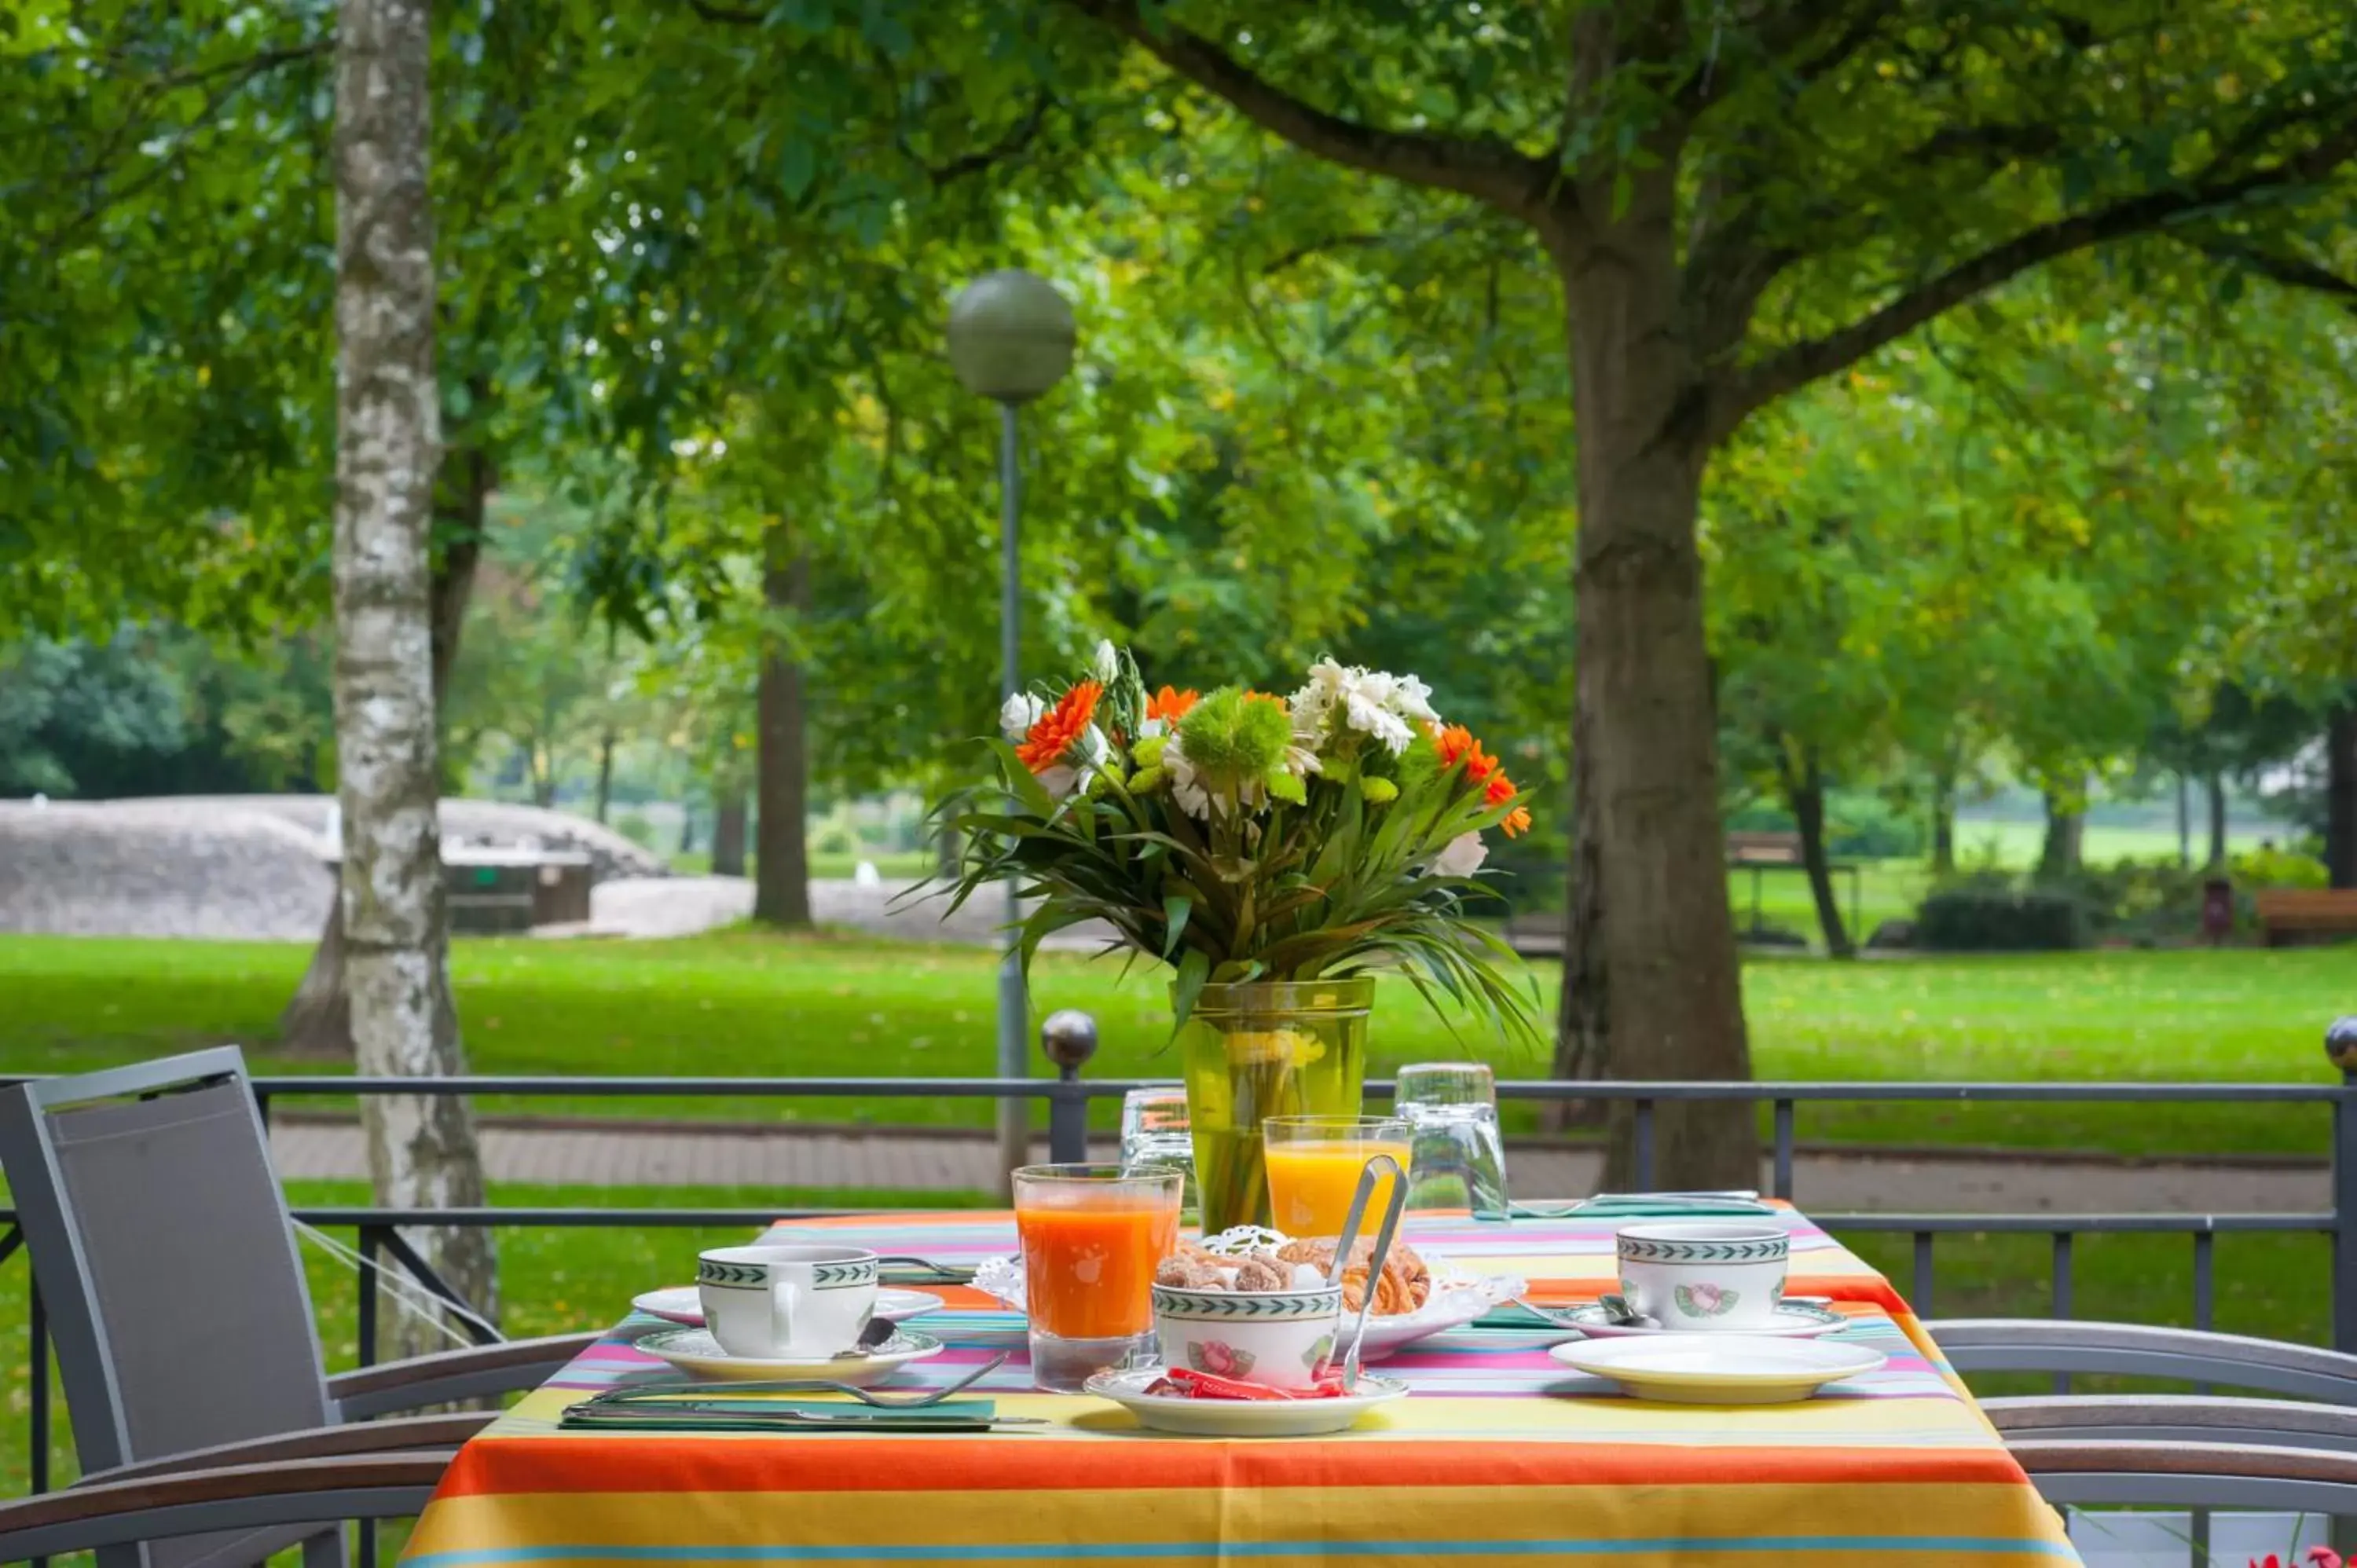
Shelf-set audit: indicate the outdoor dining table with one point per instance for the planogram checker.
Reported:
(1500, 1454)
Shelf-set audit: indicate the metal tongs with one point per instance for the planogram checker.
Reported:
(1375, 1259)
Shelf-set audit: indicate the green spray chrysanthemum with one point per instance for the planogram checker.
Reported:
(1235, 739)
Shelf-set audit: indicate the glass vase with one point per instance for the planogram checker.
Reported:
(1291, 1047)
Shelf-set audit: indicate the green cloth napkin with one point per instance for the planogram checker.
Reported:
(711, 1414)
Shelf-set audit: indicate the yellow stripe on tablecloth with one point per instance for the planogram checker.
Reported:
(1759, 1524)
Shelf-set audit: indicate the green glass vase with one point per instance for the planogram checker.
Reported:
(1291, 1047)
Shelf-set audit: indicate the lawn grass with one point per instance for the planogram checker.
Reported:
(749, 1003)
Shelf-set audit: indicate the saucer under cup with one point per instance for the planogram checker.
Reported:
(1279, 1339)
(1707, 1275)
(775, 1302)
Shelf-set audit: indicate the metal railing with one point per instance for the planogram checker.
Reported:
(1069, 1096)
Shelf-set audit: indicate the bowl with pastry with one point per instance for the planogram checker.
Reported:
(1252, 1318)
(1414, 1296)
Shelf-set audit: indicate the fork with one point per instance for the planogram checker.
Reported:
(948, 1274)
(798, 1386)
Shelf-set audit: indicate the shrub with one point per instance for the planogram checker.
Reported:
(2271, 867)
(635, 827)
(1984, 914)
(1865, 826)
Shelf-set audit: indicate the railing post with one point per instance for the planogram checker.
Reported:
(369, 1287)
(2341, 1045)
(1069, 1039)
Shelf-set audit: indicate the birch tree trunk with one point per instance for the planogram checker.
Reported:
(422, 1150)
(782, 781)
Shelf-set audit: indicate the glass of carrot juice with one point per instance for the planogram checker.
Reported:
(1314, 1163)
(1093, 1237)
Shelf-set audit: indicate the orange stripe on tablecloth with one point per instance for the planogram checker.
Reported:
(1555, 1291)
(615, 1462)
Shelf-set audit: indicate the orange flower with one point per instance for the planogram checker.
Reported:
(1517, 822)
(1264, 697)
(1061, 727)
(1455, 743)
(1500, 789)
(1170, 706)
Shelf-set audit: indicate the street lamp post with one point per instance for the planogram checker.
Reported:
(1010, 339)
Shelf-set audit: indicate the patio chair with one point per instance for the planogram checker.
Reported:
(2226, 1360)
(163, 1247)
(2173, 1418)
(2191, 1476)
(289, 1499)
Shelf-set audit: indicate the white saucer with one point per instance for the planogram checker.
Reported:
(1242, 1418)
(1793, 1320)
(695, 1350)
(684, 1305)
(1718, 1368)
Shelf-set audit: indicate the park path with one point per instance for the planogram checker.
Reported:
(683, 1155)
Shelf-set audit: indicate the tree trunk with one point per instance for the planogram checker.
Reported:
(728, 828)
(1944, 819)
(422, 1149)
(1649, 853)
(1581, 1036)
(318, 1018)
(2058, 856)
(2216, 784)
(686, 826)
(1805, 796)
(781, 857)
(2184, 822)
(605, 769)
(2340, 794)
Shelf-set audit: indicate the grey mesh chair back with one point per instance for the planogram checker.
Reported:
(165, 1256)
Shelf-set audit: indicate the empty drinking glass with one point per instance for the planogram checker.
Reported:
(1154, 1129)
(1451, 1109)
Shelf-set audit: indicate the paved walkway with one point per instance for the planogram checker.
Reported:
(788, 1156)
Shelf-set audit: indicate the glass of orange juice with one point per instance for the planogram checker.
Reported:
(1315, 1161)
(1093, 1237)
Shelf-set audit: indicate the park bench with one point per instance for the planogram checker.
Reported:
(1763, 849)
(2294, 914)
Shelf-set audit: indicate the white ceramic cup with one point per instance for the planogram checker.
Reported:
(776, 1303)
(1280, 1340)
(1704, 1275)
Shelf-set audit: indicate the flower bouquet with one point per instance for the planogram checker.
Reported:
(1277, 852)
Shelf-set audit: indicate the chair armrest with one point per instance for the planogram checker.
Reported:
(449, 1376)
(416, 1434)
(239, 1497)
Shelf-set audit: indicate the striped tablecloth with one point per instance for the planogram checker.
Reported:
(1499, 1455)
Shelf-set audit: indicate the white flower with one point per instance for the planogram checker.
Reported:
(1059, 781)
(1019, 714)
(1412, 699)
(1185, 789)
(1463, 856)
(1370, 715)
(1106, 664)
(1375, 702)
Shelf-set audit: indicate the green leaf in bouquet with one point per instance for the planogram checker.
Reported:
(1028, 791)
(1176, 908)
(1193, 970)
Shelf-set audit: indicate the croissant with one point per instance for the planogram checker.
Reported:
(1404, 1284)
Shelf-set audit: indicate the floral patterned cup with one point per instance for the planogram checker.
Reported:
(1281, 1339)
(1704, 1275)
